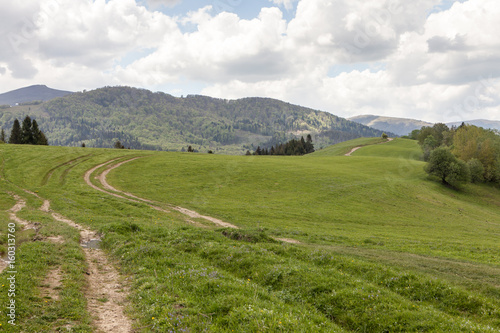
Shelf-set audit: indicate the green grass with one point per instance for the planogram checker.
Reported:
(384, 249)
(343, 148)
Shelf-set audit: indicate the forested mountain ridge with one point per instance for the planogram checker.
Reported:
(140, 118)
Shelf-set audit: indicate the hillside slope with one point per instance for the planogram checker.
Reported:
(31, 94)
(404, 126)
(142, 119)
(399, 126)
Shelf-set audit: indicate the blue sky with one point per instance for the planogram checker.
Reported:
(435, 60)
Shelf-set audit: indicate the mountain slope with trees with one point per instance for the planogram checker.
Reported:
(142, 119)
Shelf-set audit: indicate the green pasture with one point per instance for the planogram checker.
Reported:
(383, 248)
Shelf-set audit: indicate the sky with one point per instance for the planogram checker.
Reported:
(433, 60)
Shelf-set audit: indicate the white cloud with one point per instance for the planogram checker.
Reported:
(223, 47)
(356, 30)
(159, 3)
(430, 65)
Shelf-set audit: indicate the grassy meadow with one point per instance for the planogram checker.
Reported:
(383, 248)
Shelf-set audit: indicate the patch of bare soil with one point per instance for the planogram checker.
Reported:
(56, 239)
(52, 284)
(352, 151)
(288, 240)
(46, 206)
(106, 294)
(20, 204)
(195, 215)
(356, 148)
(3, 265)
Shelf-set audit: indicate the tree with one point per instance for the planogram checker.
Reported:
(428, 146)
(471, 142)
(385, 136)
(27, 132)
(309, 144)
(190, 149)
(15, 133)
(42, 139)
(449, 169)
(476, 170)
(83, 144)
(38, 136)
(2, 136)
(118, 145)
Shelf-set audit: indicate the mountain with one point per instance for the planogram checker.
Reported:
(31, 94)
(488, 124)
(142, 119)
(399, 126)
(403, 126)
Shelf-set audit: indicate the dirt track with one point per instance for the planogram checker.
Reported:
(128, 196)
(104, 281)
(131, 197)
(356, 148)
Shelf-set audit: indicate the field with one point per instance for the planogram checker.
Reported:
(324, 242)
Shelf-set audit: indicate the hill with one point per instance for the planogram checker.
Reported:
(404, 126)
(399, 126)
(325, 243)
(487, 124)
(142, 119)
(34, 93)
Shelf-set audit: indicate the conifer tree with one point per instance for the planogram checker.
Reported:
(27, 132)
(309, 145)
(37, 134)
(2, 136)
(15, 134)
(42, 139)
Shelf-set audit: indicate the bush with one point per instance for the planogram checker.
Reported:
(443, 164)
(476, 170)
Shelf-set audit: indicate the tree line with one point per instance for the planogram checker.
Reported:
(460, 154)
(26, 134)
(293, 147)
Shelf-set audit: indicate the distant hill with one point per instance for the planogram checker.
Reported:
(140, 118)
(403, 126)
(399, 126)
(31, 94)
(488, 124)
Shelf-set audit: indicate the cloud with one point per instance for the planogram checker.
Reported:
(223, 47)
(431, 65)
(439, 44)
(288, 4)
(356, 31)
(155, 4)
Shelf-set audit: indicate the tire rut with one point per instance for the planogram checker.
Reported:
(106, 294)
(131, 197)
